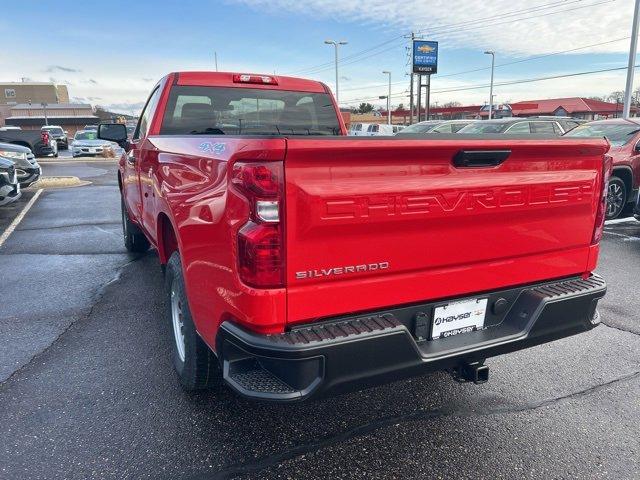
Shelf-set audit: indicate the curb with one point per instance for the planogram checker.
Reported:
(60, 182)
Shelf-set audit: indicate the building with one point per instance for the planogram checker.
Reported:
(70, 116)
(36, 93)
(12, 93)
(403, 116)
(454, 113)
(577, 107)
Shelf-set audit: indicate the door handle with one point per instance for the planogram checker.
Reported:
(480, 158)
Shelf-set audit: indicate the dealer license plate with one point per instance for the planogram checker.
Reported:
(92, 150)
(458, 317)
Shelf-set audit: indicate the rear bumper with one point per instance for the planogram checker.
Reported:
(361, 351)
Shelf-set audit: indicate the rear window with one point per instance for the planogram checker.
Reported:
(568, 125)
(54, 130)
(485, 127)
(543, 127)
(248, 111)
(422, 127)
(617, 133)
(86, 135)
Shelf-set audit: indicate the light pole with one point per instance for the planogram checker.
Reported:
(336, 44)
(44, 107)
(632, 61)
(493, 62)
(386, 72)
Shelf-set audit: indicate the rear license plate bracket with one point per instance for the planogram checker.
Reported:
(458, 317)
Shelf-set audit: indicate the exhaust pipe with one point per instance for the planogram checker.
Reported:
(475, 372)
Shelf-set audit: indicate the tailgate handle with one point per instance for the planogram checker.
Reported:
(480, 158)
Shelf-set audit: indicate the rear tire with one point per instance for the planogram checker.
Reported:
(616, 198)
(195, 364)
(134, 239)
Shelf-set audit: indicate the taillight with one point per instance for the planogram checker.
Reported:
(261, 239)
(607, 166)
(246, 78)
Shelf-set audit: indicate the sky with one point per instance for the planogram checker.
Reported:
(112, 53)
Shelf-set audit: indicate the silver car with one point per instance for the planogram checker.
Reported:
(9, 186)
(86, 144)
(27, 168)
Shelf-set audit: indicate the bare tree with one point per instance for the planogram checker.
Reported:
(616, 97)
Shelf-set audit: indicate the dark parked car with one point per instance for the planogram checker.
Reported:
(59, 135)
(624, 136)
(27, 168)
(41, 143)
(9, 186)
(519, 126)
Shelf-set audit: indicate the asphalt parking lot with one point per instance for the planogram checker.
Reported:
(87, 389)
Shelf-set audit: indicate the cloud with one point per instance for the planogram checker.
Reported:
(345, 79)
(507, 26)
(90, 80)
(60, 68)
(147, 79)
(124, 107)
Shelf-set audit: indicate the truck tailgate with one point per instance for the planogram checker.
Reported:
(373, 223)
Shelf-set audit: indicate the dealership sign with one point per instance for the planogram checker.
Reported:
(425, 57)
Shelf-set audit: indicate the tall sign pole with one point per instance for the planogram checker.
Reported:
(411, 104)
(632, 62)
(419, 98)
(428, 96)
(424, 62)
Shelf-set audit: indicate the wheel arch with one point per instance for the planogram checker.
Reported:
(167, 238)
(625, 174)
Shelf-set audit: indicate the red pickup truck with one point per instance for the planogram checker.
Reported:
(301, 262)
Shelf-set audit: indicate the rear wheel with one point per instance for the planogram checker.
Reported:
(616, 198)
(134, 239)
(195, 363)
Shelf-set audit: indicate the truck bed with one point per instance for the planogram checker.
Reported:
(384, 221)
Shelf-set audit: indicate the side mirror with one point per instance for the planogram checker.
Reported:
(637, 147)
(66, 133)
(114, 132)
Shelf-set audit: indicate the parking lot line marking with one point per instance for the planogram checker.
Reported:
(18, 219)
(620, 220)
(626, 237)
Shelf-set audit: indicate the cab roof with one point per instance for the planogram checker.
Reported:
(226, 79)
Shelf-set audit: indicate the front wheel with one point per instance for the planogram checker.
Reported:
(134, 239)
(616, 198)
(195, 363)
